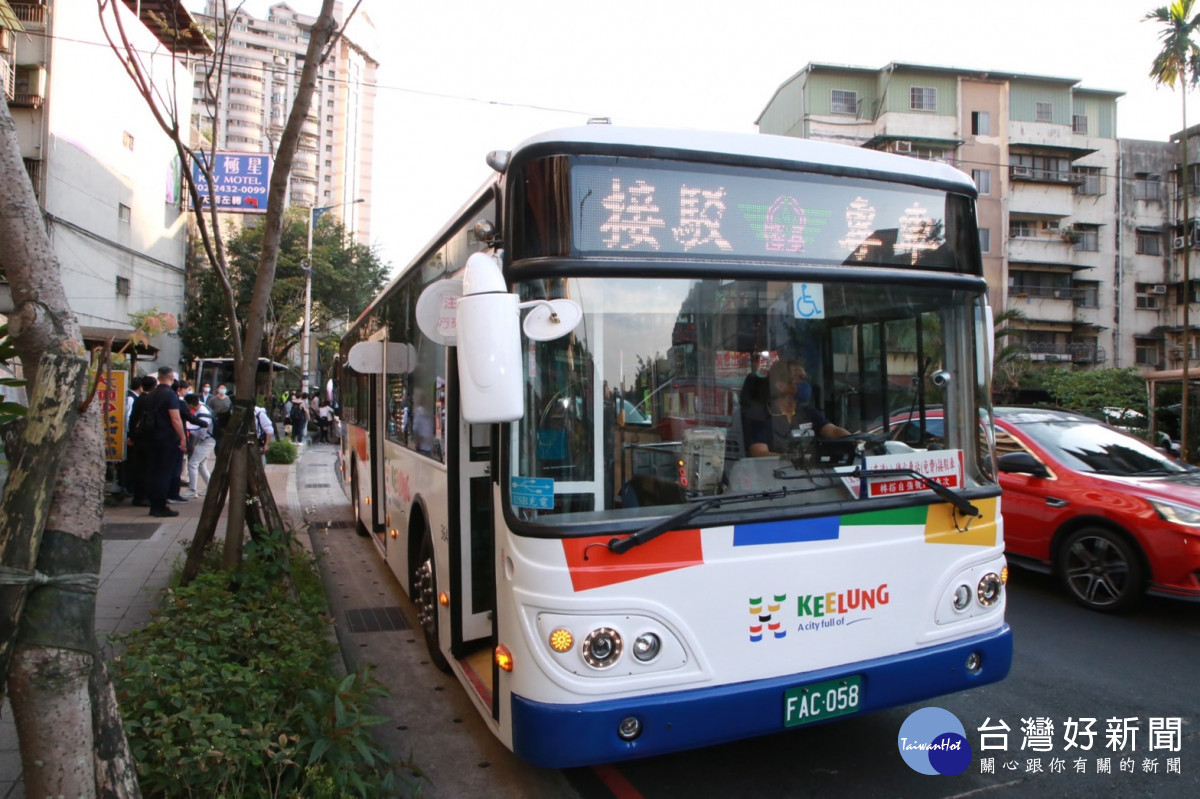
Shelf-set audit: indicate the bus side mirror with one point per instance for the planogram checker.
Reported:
(483, 320)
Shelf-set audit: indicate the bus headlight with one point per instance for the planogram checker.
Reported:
(646, 647)
(988, 591)
(602, 647)
(962, 597)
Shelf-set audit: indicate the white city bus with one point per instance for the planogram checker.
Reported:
(551, 417)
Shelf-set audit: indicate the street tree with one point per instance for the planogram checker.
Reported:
(68, 724)
(1092, 392)
(346, 275)
(1010, 357)
(1178, 62)
(246, 337)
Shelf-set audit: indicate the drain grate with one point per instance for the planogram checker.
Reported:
(374, 620)
(128, 531)
(316, 485)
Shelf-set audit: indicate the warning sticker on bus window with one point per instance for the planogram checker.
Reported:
(532, 492)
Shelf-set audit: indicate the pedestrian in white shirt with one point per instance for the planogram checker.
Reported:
(202, 446)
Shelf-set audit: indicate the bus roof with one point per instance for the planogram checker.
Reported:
(757, 146)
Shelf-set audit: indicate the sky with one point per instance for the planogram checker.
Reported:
(460, 78)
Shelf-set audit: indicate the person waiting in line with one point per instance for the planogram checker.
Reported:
(140, 442)
(325, 421)
(790, 409)
(200, 445)
(167, 445)
(221, 406)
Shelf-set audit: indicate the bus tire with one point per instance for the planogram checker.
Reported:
(359, 526)
(425, 593)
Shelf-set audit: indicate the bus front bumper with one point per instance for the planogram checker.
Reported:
(564, 736)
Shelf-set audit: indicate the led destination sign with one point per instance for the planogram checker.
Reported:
(655, 209)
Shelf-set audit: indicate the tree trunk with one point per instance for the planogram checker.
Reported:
(51, 673)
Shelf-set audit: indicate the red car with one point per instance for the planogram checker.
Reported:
(1112, 516)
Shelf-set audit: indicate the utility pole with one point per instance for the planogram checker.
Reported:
(305, 334)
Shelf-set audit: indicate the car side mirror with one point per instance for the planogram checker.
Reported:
(1021, 463)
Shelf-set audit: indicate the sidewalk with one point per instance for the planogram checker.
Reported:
(138, 554)
(430, 719)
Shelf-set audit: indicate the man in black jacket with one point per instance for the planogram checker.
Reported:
(138, 442)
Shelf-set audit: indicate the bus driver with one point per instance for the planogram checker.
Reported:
(790, 409)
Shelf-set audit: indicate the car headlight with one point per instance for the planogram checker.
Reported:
(1177, 513)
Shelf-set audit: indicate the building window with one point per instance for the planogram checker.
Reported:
(1043, 112)
(985, 239)
(122, 286)
(983, 180)
(1087, 238)
(1050, 168)
(1088, 180)
(981, 123)
(329, 118)
(127, 140)
(1150, 296)
(1020, 229)
(123, 213)
(1079, 124)
(1149, 242)
(843, 102)
(1147, 186)
(922, 99)
(1146, 353)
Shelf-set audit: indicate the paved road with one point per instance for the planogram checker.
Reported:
(1069, 663)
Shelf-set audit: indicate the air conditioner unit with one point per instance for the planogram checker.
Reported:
(904, 146)
(1158, 288)
(1022, 172)
(1180, 242)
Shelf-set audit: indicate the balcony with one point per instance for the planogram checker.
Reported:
(29, 14)
(1076, 352)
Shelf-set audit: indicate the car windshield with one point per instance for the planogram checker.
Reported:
(1097, 448)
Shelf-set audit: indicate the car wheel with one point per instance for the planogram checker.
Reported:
(1101, 570)
(425, 598)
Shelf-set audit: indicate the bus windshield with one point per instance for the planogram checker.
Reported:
(673, 390)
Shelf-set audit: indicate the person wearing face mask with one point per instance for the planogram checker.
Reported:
(790, 409)
(220, 404)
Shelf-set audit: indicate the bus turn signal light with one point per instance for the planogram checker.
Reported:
(504, 658)
(561, 640)
(444, 599)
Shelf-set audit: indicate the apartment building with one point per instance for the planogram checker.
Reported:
(104, 173)
(265, 58)
(1075, 225)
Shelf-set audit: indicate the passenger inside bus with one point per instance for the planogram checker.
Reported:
(790, 413)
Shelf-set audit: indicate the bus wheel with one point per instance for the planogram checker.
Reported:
(425, 598)
(359, 526)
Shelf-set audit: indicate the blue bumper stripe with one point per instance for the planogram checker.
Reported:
(563, 736)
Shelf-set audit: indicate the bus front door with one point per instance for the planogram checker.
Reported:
(471, 556)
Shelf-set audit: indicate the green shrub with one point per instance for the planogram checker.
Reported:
(230, 691)
(282, 451)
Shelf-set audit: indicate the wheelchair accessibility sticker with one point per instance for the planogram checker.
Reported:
(808, 300)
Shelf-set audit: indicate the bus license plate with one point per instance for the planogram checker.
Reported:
(822, 700)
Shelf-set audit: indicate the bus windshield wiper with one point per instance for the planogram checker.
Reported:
(620, 545)
(959, 502)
